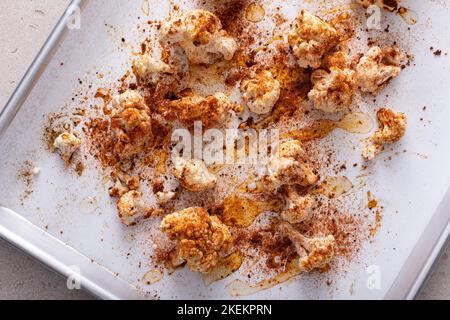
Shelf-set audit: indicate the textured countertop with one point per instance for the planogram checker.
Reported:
(25, 25)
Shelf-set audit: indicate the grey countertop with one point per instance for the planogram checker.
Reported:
(25, 24)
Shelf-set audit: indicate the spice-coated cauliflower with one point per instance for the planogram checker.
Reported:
(193, 175)
(202, 240)
(298, 208)
(314, 253)
(66, 144)
(132, 208)
(260, 92)
(199, 33)
(311, 38)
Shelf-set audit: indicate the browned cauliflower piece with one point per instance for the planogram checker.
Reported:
(311, 38)
(260, 92)
(211, 111)
(332, 91)
(314, 253)
(202, 240)
(392, 127)
(288, 167)
(193, 175)
(123, 182)
(131, 124)
(199, 33)
(150, 69)
(298, 208)
(66, 144)
(377, 67)
(390, 5)
(132, 208)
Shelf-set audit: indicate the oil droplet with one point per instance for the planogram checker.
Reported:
(409, 16)
(239, 288)
(224, 268)
(357, 122)
(255, 13)
(240, 211)
(152, 277)
(145, 8)
(334, 187)
(89, 205)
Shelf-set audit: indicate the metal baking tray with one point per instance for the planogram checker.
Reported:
(58, 223)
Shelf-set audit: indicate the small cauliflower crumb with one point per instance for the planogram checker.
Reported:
(311, 38)
(163, 197)
(131, 124)
(377, 67)
(333, 91)
(199, 33)
(149, 69)
(314, 253)
(298, 208)
(202, 240)
(392, 127)
(193, 175)
(132, 208)
(211, 111)
(288, 167)
(260, 92)
(66, 144)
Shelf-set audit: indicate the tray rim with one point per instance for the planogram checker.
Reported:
(407, 284)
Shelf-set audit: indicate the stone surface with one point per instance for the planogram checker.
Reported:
(25, 25)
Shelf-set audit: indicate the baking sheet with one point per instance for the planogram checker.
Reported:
(77, 211)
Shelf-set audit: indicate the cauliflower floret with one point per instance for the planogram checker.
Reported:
(132, 208)
(392, 127)
(390, 5)
(123, 183)
(288, 167)
(131, 124)
(210, 111)
(202, 240)
(333, 91)
(378, 67)
(298, 208)
(199, 33)
(66, 144)
(314, 253)
(193, 175)
(261, 92)
(163, 197)
(311, 38)
(148, 68)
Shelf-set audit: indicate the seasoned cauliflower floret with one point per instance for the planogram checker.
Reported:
(288, 167)
(193, 175)
(202, 240)
(311, 38)
(148, 68)
(298, 208)
(261, 92)
(390, 5)
(132, 208)
(210, 110)
(333, 91)
(314, 253)
(199, 33)
(163, 197)
(377, 67)
(123, 183)
(66, 144)
(392, 127)
(131, 124)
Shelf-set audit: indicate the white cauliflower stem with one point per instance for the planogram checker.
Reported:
(298, 208)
